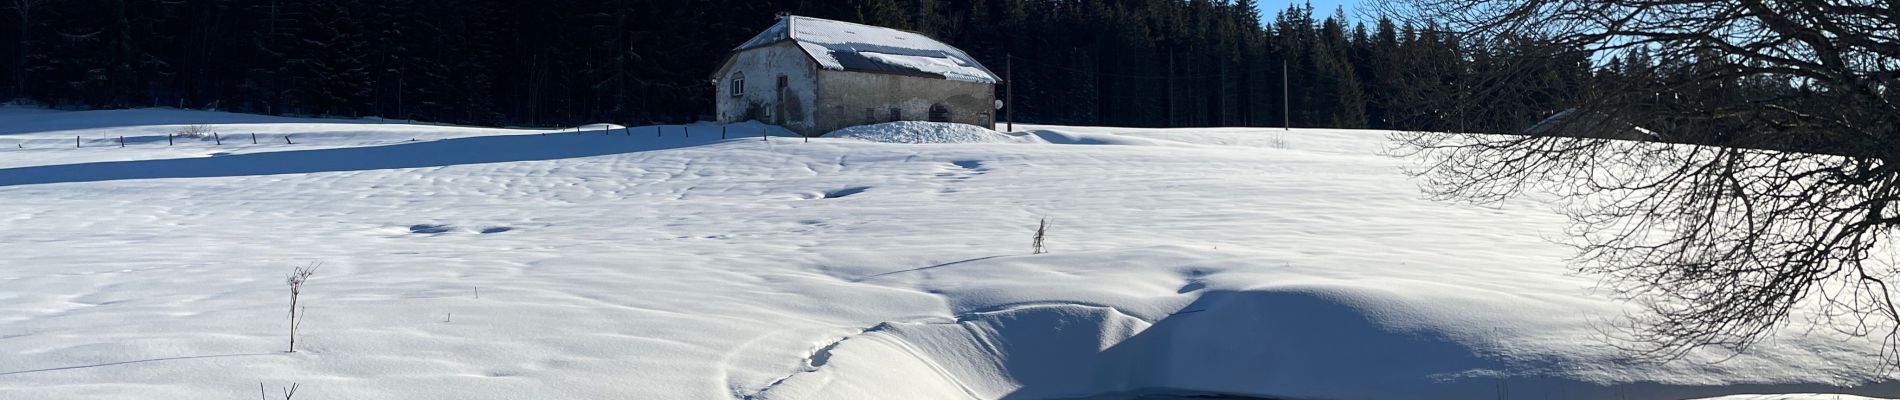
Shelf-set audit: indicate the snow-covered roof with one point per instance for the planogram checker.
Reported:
(1579, 123)
(845, 46)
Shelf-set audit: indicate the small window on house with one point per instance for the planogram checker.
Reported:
(939, 113)
(897, 114)
(738, 84)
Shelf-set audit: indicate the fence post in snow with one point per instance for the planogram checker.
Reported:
(722, 131)
(217, 139)
(121, 141)
(287, 139)
(253, 137)
(168, 139)
(686, 131)
(658, 131)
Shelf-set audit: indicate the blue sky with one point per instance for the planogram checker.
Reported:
(1321, 8)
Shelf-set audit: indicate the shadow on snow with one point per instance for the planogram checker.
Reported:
(438, 153)
(1298, 342)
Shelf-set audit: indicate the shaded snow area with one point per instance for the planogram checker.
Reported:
(845, 46)
(918, 132)
(667, 263)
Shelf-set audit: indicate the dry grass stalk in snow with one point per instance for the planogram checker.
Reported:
(289, 392)
(296, 280)
(1042, 229)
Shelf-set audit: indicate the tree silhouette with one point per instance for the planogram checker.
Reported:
(1749, 173)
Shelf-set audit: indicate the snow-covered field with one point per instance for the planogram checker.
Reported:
(472, 263)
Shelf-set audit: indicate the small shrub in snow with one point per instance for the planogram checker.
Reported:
(193, 131)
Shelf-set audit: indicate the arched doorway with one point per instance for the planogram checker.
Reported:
(939, 113)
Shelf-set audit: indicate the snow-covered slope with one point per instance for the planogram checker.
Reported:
(645, 263)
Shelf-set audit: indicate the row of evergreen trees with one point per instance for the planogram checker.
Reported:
(516, 62)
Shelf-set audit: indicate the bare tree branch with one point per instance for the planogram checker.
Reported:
(1748, 173)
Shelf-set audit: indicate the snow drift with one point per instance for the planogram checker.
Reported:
(918, 132)
(476, 263)
(1308, 334)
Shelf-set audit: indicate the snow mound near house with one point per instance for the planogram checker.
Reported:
(918, 132)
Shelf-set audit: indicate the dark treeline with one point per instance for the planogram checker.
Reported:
(512, 62)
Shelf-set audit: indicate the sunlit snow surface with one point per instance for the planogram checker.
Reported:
(471, 263)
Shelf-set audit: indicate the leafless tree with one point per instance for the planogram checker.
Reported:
(1758, 173)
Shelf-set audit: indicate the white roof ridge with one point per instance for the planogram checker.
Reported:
(849, 46)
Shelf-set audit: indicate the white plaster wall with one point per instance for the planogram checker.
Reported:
(762, 67)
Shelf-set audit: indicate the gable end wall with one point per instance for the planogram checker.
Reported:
(762, 67)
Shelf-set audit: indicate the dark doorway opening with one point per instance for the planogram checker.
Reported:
(939, 113)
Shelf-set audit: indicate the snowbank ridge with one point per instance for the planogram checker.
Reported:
(919, 132)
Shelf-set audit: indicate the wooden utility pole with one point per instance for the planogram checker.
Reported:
(1009, 92)
(1286, 99)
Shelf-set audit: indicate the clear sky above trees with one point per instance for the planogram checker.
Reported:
(1324, 7)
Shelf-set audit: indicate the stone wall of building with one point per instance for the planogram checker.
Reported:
(848, 98)
(762, 67)
(818, 101)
